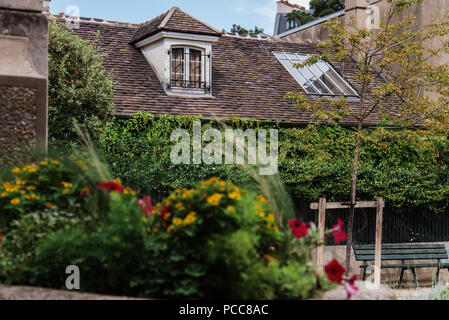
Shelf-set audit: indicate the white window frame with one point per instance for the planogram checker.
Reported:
(296, 73)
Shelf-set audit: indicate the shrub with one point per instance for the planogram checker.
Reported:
(18, 248)
(108, 257)
(408, 168)
(79, 87)
(204, 243)
(67, 183)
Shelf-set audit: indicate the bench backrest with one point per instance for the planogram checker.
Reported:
(402, 252)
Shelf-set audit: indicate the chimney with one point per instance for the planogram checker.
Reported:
(285, 7)
(355, 15)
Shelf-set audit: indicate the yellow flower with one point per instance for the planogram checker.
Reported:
(118, 181)
(43, 163)
(190, 218)
(271, 218)
(214, 200)
(177, 222)
(49, 205)
(261, 198)
(85, 154)
(67, 184)
(31, 188)
(155, 230)
(20, 182)
(231, 209)
(15, 201)
(28, 197)
(65, 191)
(129, 191)
(187, 194)
(170, 228)
(30, 168)
(4, 194)
(275, 228)
(261, 214)
(179, 206)
(235, 195)
(56, 162)
(16, 170)
(85, 189)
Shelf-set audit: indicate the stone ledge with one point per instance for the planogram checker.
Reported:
(366, 292)
(25, 5)
(32, 293)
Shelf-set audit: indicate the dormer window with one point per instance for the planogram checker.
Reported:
(178, 48)
(188, 67)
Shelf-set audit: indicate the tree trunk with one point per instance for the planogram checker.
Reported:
(353, 196)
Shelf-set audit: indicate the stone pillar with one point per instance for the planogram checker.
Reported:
(23, 78)
(355, 15)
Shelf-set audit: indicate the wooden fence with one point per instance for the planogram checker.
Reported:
(399, 226)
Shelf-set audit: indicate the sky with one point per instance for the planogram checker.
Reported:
(221, 14)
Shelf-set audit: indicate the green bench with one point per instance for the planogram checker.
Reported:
(407, 254)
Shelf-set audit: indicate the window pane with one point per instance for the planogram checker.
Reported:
(332, 75)
(319, 78)
(195, 68)
(177, 67)
(299, 77)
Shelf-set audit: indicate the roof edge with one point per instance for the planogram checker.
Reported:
(313, 23)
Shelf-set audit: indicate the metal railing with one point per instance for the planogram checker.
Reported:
(190, 71)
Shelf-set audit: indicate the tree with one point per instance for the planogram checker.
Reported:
(322, 8)
(416, 91)
(240, 30)
(79, 87)
(302, 17)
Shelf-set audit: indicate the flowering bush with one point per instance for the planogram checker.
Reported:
(212, 241)
(53, 183)
(202, 239)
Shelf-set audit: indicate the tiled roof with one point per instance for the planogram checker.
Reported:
(293, 5)
(173, 20)
(247, 79)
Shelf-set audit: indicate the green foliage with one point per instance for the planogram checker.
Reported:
(108, 257)
(17, 253)
(146, 166)
(206, 242)
(325, 7)
(300, 16)
(58, 182)
(240, 30)
(40, 246)
(408, 168)
(79, 87)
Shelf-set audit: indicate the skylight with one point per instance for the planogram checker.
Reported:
(320, 79)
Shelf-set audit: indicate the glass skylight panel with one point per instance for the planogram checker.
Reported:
(319, 79)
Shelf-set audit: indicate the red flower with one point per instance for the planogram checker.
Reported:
(299, 229)
(350, 286)
(165, 210)
(110, 186)
(335, 271)
(339, 234)
(146, 206)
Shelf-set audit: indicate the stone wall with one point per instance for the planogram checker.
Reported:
(23, 78)
(424, 13)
